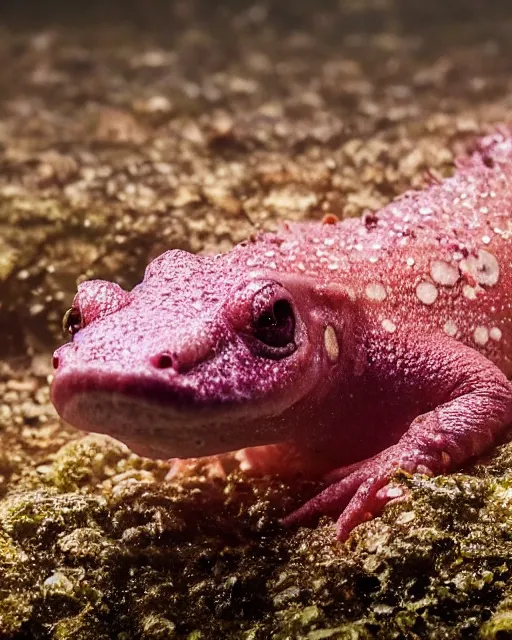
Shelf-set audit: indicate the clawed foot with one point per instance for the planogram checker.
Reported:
(360, 491)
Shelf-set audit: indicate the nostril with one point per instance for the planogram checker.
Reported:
(184, 356)
(55, 361)
(162, 361)
(167, 360)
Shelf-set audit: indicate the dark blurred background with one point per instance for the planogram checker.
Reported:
(161, 15)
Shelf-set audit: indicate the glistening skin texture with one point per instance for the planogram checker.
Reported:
(362, 346)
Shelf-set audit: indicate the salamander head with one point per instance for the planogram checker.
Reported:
(189, 361)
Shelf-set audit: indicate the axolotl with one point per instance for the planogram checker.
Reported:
(367, 345)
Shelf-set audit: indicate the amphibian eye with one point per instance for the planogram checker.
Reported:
(273, 323)
(72, 321)
(276, 325)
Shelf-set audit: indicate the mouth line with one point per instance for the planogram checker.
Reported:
(149, 416)
(174, 396)
(138, 421)
(159, 432)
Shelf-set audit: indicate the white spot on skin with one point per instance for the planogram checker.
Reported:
(426, 292)
(331, 343)
(410, 262)
(450, 328)
(481, 336)
(486, 239)
(425, 211)
(444, 273)
(388, 325)
(469, 292)
(333, 266)
(351, 293)
(483, 267)
(329, 242)
(375, 291)
(495, 334)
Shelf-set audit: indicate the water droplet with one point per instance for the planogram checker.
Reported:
(469, 292)
(426, 292)
(495, 334)
(375, 291)
(483, 267)
(481, 336)
(388, 325)
(450, 328)
(444, 273)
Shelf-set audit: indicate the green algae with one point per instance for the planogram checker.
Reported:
(499, 627)
(87, 461)
(207, 559)
(15, 590)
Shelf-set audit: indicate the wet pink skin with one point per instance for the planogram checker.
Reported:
(389, 345)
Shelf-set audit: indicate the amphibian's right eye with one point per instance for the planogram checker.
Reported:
(273, 322)
(72, 321)
(263, 313)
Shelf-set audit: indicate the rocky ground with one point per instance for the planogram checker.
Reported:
(134, 127)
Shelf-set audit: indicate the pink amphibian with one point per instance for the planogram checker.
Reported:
(371, 344)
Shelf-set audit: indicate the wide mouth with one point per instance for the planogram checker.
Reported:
(147, 428)
(154, 418)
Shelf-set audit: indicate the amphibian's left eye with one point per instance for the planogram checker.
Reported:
(72, 321)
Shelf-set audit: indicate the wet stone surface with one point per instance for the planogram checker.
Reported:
(132, 129)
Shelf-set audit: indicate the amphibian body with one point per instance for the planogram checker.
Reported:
(369, 344)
